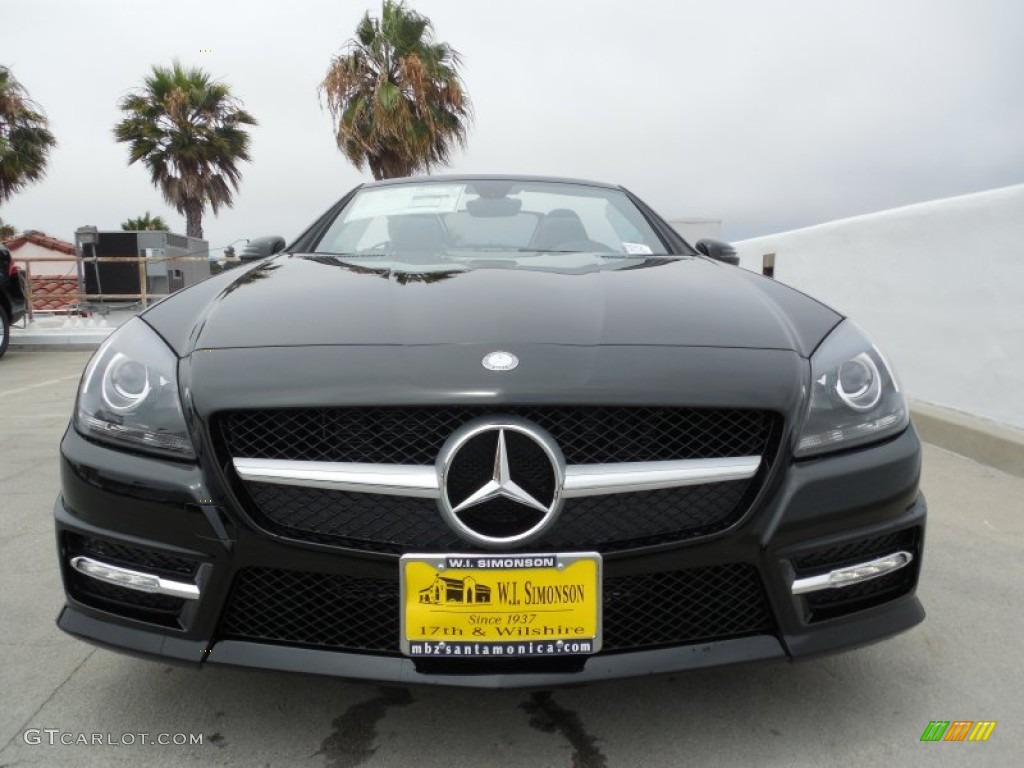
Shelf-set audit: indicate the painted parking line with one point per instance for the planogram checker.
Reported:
(38, 385)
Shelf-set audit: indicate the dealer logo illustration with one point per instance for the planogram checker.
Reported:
(958, 730)
(446, 591)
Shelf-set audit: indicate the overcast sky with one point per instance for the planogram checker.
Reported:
(768, 116)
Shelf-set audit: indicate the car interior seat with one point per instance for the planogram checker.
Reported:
(417, 232)
(561, 226)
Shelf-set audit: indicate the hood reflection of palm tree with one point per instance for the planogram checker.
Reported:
(401, 276)
(404, 278)
(258, 273)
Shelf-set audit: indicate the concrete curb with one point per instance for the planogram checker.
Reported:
(65, 346)
(57, 338)
(69, 333)
(984, 441)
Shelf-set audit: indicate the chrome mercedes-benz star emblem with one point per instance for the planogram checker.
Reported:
(500, 361)
(501, 481)
(500, 484)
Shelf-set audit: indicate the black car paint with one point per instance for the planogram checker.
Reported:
(654, 302)
(13, 301)
(704, 334)
(682, 302)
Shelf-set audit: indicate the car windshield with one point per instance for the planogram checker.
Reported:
(493, 216)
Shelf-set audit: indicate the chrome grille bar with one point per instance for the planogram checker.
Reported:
(601, 479)
(422, 481)
(385, 479)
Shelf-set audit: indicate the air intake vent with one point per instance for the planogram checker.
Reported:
(640, 611)
(830, 603)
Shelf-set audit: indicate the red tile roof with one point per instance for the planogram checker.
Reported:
(61, 292)
(40, 239)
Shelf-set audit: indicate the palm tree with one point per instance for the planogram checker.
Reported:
(186, 128)
(25, 138)
(145, 223)
(7, 231)
(395, 95)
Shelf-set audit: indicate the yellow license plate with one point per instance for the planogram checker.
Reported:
(484, 606)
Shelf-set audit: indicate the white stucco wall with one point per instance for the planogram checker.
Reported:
(55, 264)
(939, 285)
(693, 230)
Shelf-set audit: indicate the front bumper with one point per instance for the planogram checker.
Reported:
(828, 504)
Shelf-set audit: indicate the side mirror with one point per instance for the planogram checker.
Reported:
(718, 250)
(261, 247)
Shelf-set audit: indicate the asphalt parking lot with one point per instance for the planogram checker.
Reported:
(866, 706)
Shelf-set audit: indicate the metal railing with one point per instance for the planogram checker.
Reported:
(80, 301)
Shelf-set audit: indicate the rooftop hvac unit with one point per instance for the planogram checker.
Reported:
(158, 268)
(123, 279)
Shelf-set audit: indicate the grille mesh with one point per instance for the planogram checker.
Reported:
(852, 552)
(127, 556)
(356, 614)
(113, 594)
(397, 524)
(414, 435)
(829, 603)
(314, 609)
(699, 604)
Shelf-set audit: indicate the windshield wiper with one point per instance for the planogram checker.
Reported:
(602, 254)
(357, 255)
(545, 250)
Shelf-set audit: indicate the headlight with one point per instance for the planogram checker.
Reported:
(854, 395)
(129, 394)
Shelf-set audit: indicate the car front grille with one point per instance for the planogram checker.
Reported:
(398, 524)
(360, 614)
(415, 435)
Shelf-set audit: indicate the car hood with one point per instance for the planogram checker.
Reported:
(291, 301)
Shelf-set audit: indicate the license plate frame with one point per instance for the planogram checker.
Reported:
(553, 570)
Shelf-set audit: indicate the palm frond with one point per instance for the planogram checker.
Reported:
(146, 222)
(395, 95)
(25, 137)
(187, 129)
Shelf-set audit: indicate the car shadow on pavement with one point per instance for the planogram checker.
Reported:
(765, 712)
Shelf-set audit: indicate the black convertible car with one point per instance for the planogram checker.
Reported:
(510, 432)
(13, 303)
